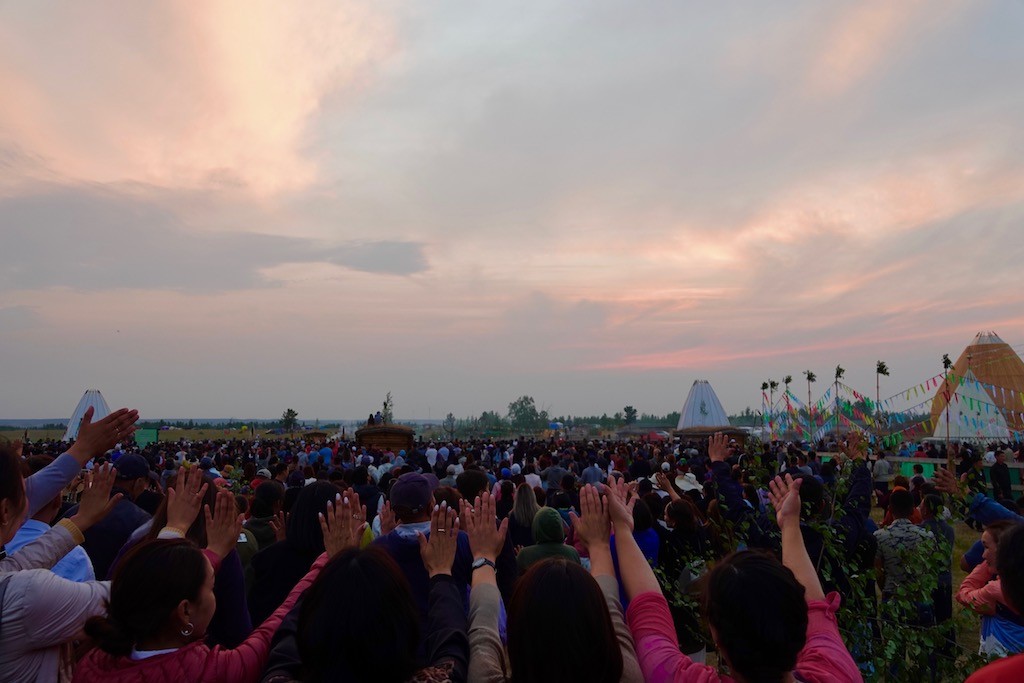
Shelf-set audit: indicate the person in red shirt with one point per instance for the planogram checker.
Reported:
(770, 621)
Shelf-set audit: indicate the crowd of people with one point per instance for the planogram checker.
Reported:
(510, 560)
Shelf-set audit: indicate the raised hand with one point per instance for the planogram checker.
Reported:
(96, 500)
(621, 499)
(224, 525)
(387, 519)
(438, 551)
(718, 447)
(784, 495)
(96, 438)
(855, 446)
(665, 485)
(486, 538)
(593, 526)
(343, 524)
(279, 523)
(946, 482)
(185, 499)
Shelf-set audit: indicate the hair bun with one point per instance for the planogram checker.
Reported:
(110, 637)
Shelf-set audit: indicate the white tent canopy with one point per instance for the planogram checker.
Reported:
(972, 414)
(91, 398)
(702, 408)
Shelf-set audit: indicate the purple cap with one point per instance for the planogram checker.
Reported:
(412, 491)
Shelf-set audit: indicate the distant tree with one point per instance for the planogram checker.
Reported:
(388, 410)
(289, 420)
(630, 413)
(449, 425)
(523, 414)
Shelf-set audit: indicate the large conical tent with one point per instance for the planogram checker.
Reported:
(972, 416)
(91, 398)
(997, 375)
(702, 408)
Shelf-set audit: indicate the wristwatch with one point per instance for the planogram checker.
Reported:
(483, 562)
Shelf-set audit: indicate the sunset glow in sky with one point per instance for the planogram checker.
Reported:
(227, 208)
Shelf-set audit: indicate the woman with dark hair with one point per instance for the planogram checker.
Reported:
(564, 624)
(682, 556)
(506, 498)
(277, 568)
(162, 601)
(40, 611)
(770, 621)
(231, 623)
(380, 638)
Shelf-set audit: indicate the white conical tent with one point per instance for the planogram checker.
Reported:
(972, 414)
(702, 408)
(92, 398)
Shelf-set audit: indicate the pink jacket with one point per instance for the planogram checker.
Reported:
(979, 591)
(824, 658)
(197, 661)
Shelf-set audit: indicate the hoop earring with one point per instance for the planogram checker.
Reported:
(187, 630)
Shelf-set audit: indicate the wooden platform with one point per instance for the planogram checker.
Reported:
(386, 437)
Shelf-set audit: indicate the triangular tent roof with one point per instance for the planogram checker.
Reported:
(972, 414)
(93, 398)
(702, 408)
(997, 372)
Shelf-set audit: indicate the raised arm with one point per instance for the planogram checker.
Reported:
(49, 548)
(487, 659)
(636, 573)
(593, 528)
(979, 591)
(94, 438)
(784, 495)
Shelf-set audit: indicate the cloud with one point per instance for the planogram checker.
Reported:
(395, 258)
(95, 238)
(212, 94)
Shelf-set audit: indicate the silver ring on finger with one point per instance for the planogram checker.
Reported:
(440, 529)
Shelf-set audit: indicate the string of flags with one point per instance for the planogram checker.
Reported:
(864, 409)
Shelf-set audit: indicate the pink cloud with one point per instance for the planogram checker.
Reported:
(183, 95)
(864, 36)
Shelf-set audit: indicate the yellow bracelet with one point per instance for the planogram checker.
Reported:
(73, 529)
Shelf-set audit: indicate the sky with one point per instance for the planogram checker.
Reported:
(229, 208)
